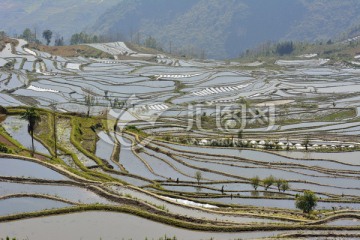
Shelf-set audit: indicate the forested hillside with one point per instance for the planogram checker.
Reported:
(211, 28)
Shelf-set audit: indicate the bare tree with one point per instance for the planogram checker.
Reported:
(59, 40)
(287, 143)
(89, 101)
(198, 176)
(306, 142)
(36, 30)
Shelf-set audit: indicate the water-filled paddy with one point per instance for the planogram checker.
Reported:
(17, 128)
(345, 222)
(104, 148)
(71, 193)
(132, 163)
(106, 225)
(12, 167)
(344, 157)
(280, 203)
(185, 210)
(19, 205)
(308, 99)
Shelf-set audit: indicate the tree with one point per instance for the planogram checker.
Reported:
(268, 182)
(59, 41)
(32, 117)
(285, 48)
(287, 143)
(150, 42)
(3, 110)
(2, 35)
(47, 35)
(28, 35)
(75, 39)
(279, 183)
(282, 185)
(95, 39)
(306, 142)
(198, 176)
(54, 128)
(240, 134)
(255, 182)
(80, 38)
(285, 186)
(306, 202)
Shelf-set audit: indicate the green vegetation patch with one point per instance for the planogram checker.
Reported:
(85, 132)
(341, 114)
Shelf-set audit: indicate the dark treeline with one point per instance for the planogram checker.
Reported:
(48, 37)
(272, 48)
(32, 36)
(83, 38)
(284, 48)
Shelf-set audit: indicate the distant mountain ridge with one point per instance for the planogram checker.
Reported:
(190, 25)
(226, 28)
(65, 17)
(218, 28)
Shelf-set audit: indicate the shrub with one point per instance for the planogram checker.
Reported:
(306, 202)
(255, 182)
(3, 110)
(4, 149)
(268, 182)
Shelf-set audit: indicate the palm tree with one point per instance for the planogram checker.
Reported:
(53, 107)
(32, 117)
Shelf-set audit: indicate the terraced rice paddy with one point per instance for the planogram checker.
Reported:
(162, 145)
